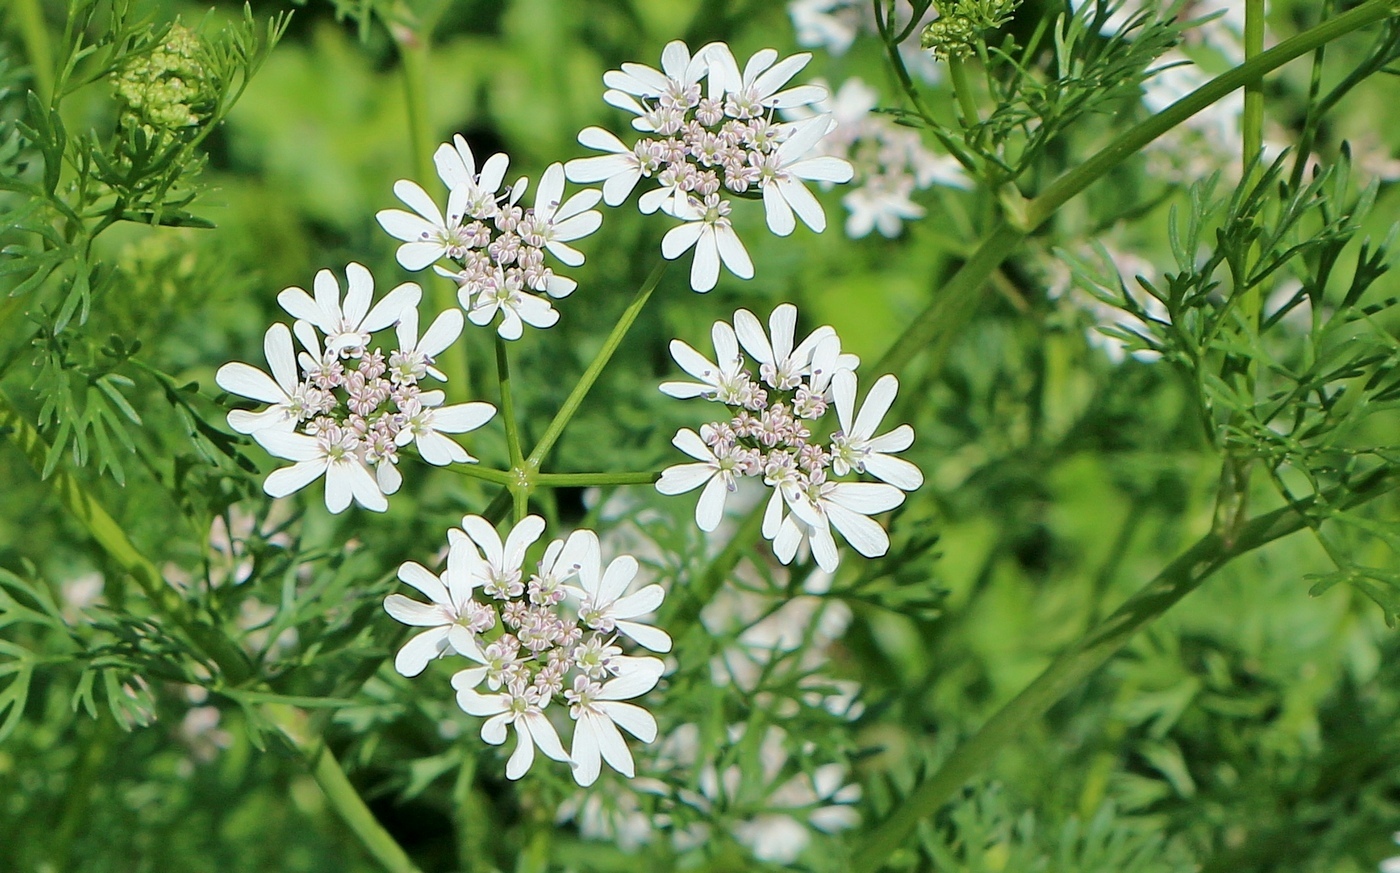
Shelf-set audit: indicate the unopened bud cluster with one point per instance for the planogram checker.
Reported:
(166, 88)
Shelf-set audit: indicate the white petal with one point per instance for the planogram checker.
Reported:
(484, 535)
(416, 654)
(285, 481)
(440, 451)
(803, 203)
(524, 754)
(876, 404)
(684, 477)
(691, 443)
(867, 498)
(420, 577)
(363, 487)
(462, 417)
(586, 755)
(639, 603)
(704, 270)
(340, 487)
(865, 535)
(481, 705)
(680, 238)
(843, 393)
(493, 172)
(388, 310)
(611, 744)
(406, 226)
(444, 332)
(387, 477)
(455, 166)
(600, 139)
(779, 214)
(493, 730)
(709, 511)
(823, 168)
(272, 418)
(520, 538)
(298, 304)
(248, 381)
(751, 335)
(545, 736)
(896, 440)
(824, 548)
(631, 718)
(291, 446)
(413, 613)
(896, 471)
(639, 675)
(646, 636)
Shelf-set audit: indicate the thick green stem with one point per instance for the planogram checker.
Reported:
(1252, 125)
(343, 797)
(957, 74)
(595, 369)
(1180, 578)
(520, 481)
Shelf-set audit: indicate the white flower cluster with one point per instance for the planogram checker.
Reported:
(771, 432)
(707, 144)
(495, 246)
(533, 639)
(890, 161)
(835, 24)
(348, 409)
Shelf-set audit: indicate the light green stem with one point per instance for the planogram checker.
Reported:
(595, 369)
(1252, 124)
(520, 481)
(486, 474)
(1092, 651)
(957, 74)
(559, 480)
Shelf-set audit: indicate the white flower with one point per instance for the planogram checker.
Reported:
(708, 230)
(832, 24)
(283, 389)
(521, 706)
(780, 364)
(721, 380)
(781, 174)
(333, 453)
(855, 446)
(603, 608)
(451, 618)
(414, 357)
(427, 235)
(718, 474)
(501, 572)
(503, 292)
(598, 711)
(756, 90)
(845, 506)
(619, 170)
(426, 420)
(457, 168)
(882, 205)
(348, 330)
(559, 224)
(677, 83)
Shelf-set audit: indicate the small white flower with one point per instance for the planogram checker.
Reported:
(721, 380)
(781, 174)
(882, 205)
(520, 706)
(451, 618)
(756, 90)
(414, 357)
(603, 607)
(501, 572)
(457, 168)
(677, 84)
(845, 506)
(427, 420)
(427, 235)
(564, 222)
(333, 453)
(283, 390)
(719, 475)
(781, 365)
(598, 711)
(708, 231)
(504, 293)
(619, 170)
(855, 446)
(347, 330)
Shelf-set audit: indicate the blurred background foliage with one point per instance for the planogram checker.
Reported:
(1254, 727)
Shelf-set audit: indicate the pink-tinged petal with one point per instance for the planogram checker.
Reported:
(248, 381)
(462, 417)
(545, 736)
(418, 652)
(619, 574)
(638, 676)
(732, 251)
(394, 304)
(298, 304)
(823, 168)
(493, 173)
(420, 577)
(751, 335)
(867, 498)
(864, 534)
(690, 442)
(896, 471)
(896, 440)
(777, 211)
(406, 226)
(679, 239)
(631, 718)
(287, 480)
(684, 477)
(481, 705)
(413, 613)
(438, 450)
(493, 730)
(524, 754)
(274, 418)
(804, 203)
(291, 446)
(412, 194)
(704, 270)
(521, 537)
(646, 636)
(586, 755)
(709, 511)
(639, 603)
(801, 95)
(876, 404)
(443, 332)
(824, 548)
(363, 487)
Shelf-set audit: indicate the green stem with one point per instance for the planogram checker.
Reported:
(595, 369)
(1092, 651)
(30, 17)
(559, 480)
(520, 478)
(486, 474)
(957, 74)
(970, 280)
(343, 797)
(1252, 124)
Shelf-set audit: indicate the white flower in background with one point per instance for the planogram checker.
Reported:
(347, 329)
(599, 710)
(890, 162)
(349, 409)
(528, 643)
(495, 248)
(451, 617)
(705, 144)
(772, 431)
(1392, 865)
(835, 24)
